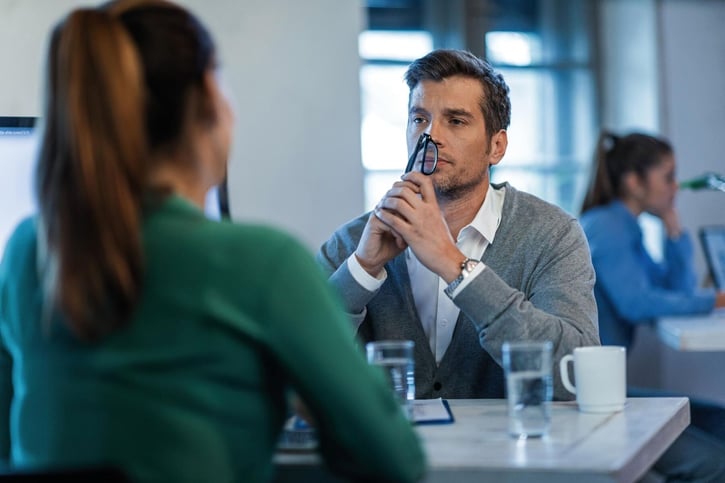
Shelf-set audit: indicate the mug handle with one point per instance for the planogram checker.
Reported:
(564, 371)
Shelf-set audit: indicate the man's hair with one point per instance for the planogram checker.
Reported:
(443, 63)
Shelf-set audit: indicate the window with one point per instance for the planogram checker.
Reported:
(386, 56)
(543, 50)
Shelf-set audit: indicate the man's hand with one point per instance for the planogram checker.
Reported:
(410, 211)
(378, 245)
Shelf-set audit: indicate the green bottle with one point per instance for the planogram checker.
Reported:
(707, 181)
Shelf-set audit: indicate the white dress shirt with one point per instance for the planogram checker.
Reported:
(438, 314)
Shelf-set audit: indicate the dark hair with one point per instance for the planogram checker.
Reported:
(119, 79)
(616, 156)
(443, 63)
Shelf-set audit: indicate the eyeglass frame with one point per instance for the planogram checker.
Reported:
(424, 141)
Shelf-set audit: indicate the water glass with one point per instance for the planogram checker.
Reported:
(397, 360)
(529, 387)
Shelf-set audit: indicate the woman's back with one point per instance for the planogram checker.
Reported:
(193, 389)
(136, 331)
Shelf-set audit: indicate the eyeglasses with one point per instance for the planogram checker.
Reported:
(425, 153)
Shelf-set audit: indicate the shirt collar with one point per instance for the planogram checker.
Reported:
(488, 217)
(484, 224)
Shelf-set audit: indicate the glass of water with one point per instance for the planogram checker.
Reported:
(529, 388)
(397, 360)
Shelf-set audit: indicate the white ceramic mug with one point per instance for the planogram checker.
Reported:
(601, 378)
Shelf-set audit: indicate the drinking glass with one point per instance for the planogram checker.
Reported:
(529, 388)
(396, 358)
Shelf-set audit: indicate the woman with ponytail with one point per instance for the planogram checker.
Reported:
(135, 331)
(635, 174)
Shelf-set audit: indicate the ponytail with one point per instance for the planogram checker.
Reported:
(601, 188)
(119, 83)
(91, 172)
(617, 156)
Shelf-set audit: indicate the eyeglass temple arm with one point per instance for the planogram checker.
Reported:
(411, 160)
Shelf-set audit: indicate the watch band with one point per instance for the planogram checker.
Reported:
(467, 267)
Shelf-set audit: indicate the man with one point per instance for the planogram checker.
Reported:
(454, 263)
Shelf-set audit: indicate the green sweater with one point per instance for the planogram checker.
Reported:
(194, 388)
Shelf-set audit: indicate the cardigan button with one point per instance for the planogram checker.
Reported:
(437, 386)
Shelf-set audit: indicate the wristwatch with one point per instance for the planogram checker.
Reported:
(467, 267)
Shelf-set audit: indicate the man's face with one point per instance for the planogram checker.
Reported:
(450, 112)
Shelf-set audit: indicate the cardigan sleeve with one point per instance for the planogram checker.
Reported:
(332, 257)
(555, 302)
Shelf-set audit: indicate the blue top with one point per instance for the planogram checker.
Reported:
(631, 288)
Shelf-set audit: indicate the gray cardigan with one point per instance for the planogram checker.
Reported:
(537, 285)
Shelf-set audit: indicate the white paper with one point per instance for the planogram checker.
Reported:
(430, 410)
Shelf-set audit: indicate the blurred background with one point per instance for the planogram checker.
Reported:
(321, 105)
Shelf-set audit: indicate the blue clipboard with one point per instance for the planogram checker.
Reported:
(432, 411)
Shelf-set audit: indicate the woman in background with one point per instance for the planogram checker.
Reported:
(634, 174)
(136, 332)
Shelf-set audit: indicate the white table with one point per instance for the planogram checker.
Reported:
(694, 333)
(611, 447)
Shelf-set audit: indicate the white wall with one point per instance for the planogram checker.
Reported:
(629, 80)
(293, 69)
(693, 105)
(629, 65)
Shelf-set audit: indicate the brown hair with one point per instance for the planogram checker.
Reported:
(443, 63)
(616, 156)
(118, 81)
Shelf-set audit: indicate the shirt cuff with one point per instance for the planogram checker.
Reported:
(480, 266)
(367, 281)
